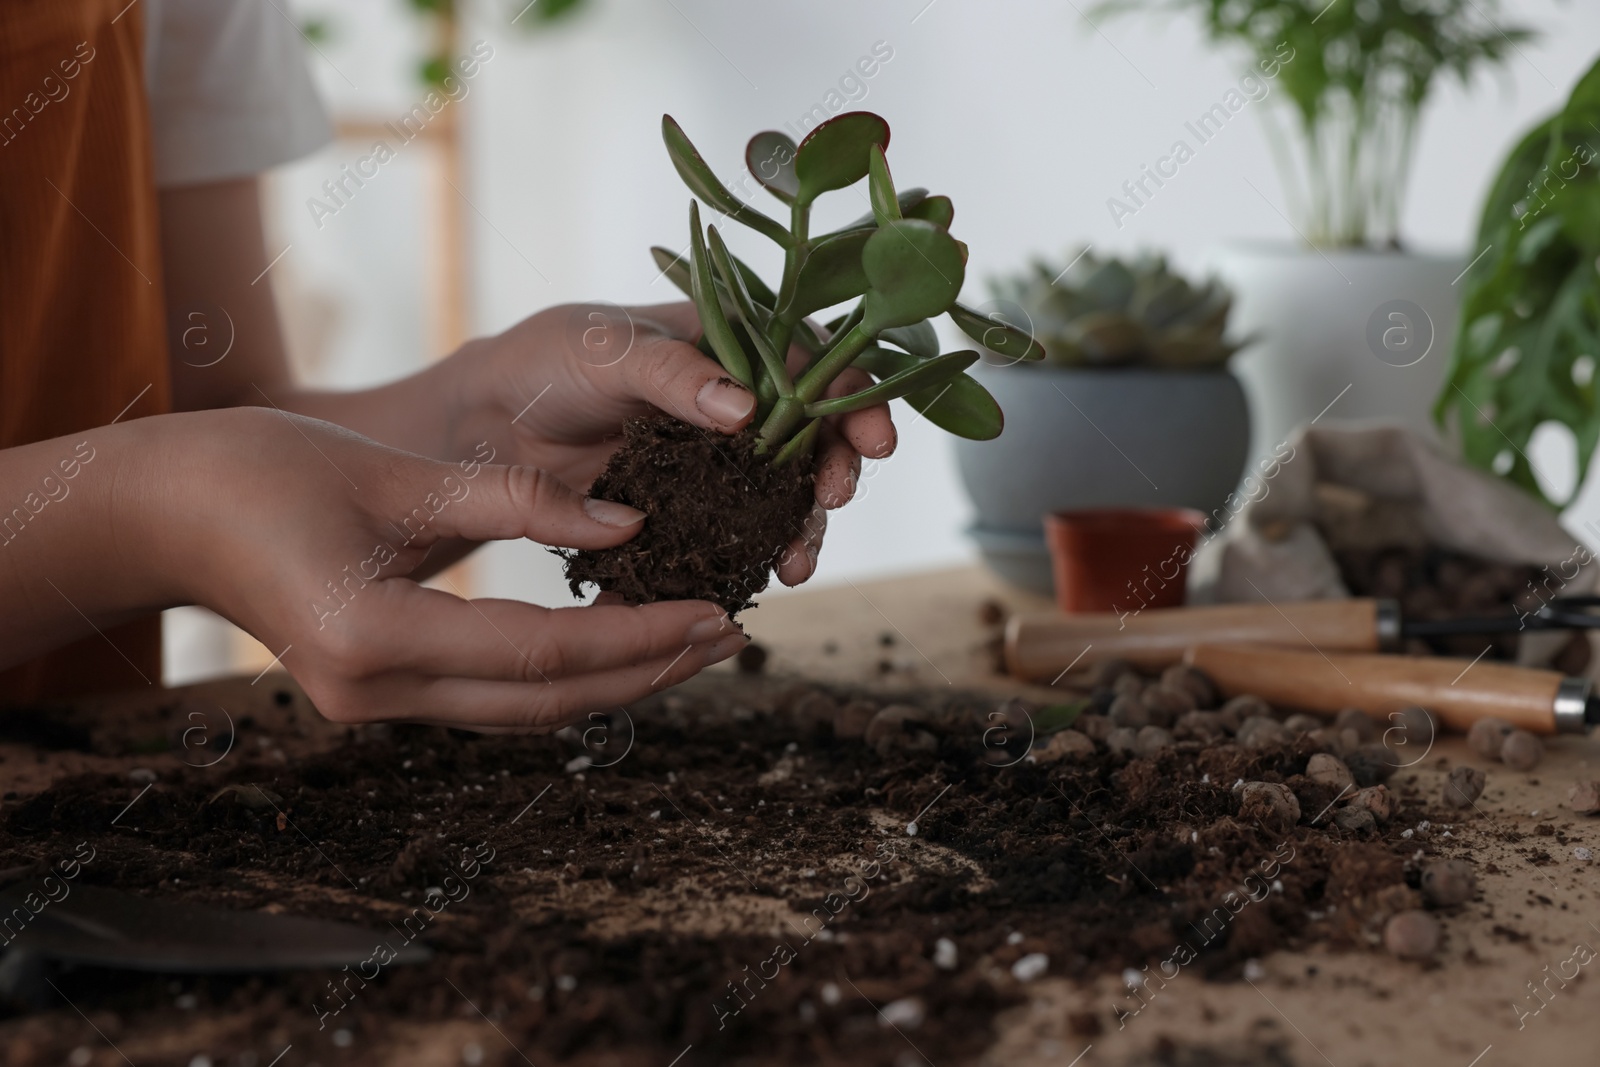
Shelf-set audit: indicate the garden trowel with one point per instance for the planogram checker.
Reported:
(99, 927)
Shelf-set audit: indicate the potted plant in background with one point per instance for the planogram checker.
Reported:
(1351, 79)
(1132, 407)
(1529, 334)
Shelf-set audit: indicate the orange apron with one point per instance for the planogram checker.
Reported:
(82, 330)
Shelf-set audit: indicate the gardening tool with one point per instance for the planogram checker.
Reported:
(1458, 693)
(1041, 647)
(100, 927)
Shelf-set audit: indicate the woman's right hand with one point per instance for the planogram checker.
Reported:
(308, 536)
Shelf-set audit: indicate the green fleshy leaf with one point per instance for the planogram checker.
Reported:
(908, 199)
(961, 406)
(770, 159)
(828, 271)
(834, 155)
(676, 270)
(755, 323)
(924, 374)
(920, 338)
(719, 334)
(935, 209)
(704, 183)
(996, 336)
(885, 205)
(1057, 717)
(914, 270)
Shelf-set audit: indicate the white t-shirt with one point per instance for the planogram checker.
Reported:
(230, 92)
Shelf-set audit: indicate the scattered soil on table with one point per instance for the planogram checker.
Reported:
(745, 880)
(719, 516)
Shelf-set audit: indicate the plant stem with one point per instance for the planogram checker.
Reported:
(786, 414)
(799, 445)
(790, 411)
(833, 362)
(780, 332)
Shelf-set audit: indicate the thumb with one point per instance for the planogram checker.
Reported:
(505, 502)
(682, 381)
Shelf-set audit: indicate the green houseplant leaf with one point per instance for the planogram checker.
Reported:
(919, 338)
(899, 265)
(676, 270)
(719, 334)
(921, 375)
(998, 337)
(828, 271)
(909, 201)
(770, 159)
(935, 209)
(755, 322)
(960, 406)
(834, 155)
(705, 184)
(885, 205)
(1529, 331)
(914, 271)
(1054, 718)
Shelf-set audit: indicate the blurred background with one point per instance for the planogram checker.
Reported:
(545, 181)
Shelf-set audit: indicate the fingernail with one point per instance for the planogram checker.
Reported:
(706, 629)
(811, 556)
(728, 646)
(724, 402)
(610, 513)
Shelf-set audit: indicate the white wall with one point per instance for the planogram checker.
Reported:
(1019, 110)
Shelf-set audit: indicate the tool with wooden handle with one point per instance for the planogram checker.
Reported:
(1040, 647)
(1456, 692)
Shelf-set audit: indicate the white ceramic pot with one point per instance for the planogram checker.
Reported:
(1372, 329)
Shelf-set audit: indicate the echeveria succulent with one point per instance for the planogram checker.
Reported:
(1113, 312)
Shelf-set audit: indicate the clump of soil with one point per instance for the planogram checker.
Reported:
(719, 516)
(1434, 583)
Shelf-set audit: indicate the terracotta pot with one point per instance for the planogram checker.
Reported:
(1185, 431)
(1121, 559)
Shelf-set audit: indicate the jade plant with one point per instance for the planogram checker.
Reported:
(1113, 312)
(1529, 332)
(722, 511)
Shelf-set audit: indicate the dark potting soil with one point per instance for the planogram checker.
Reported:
(742, 880)
(719, 516)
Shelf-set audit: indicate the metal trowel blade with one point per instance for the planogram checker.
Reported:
(102, 927)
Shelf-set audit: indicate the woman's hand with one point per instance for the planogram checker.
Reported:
(554, 390)
(306, 534)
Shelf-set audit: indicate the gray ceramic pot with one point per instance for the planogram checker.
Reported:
(1097, 438)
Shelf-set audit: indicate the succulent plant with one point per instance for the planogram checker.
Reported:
(899, 266)
(1115, 313)
(899, 261)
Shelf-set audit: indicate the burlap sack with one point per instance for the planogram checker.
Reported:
(1370, 485)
